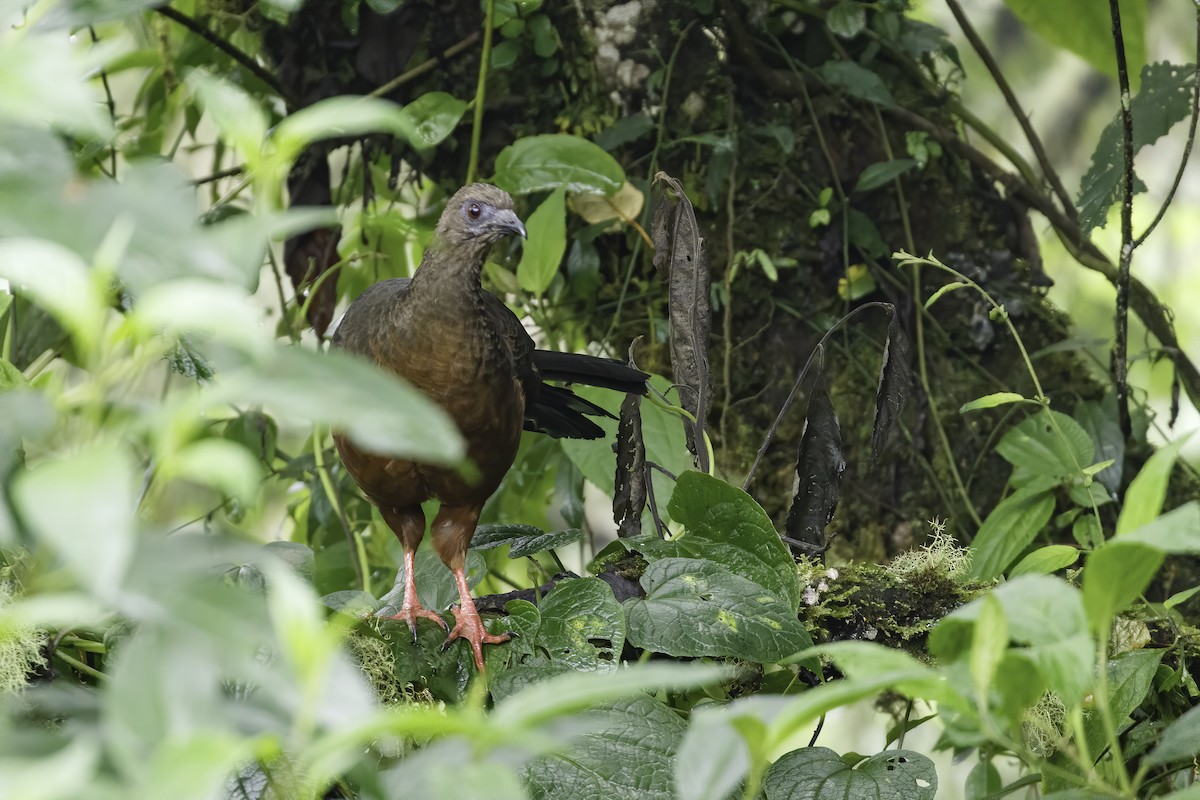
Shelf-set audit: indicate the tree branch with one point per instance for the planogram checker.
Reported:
(1120, 360)
(225, 47)
(1035, 142)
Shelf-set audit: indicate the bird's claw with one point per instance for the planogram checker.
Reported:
(411, 615)
(469, 626)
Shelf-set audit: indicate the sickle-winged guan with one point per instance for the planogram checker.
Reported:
(463, 348)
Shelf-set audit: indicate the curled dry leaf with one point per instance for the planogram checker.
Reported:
(679, 254)
(625, 204)
(819, 468)
(894, 376)
(629, 496)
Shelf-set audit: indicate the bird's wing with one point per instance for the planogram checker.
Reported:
(520, 343)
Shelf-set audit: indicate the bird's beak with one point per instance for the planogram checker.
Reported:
(508, 221)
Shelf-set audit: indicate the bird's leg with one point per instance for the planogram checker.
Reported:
(452, 531)
(411, 609)
(409, 526)
(467, 623)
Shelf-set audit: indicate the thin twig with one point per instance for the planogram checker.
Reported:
(225, 47)
(112, 105)
(1035, 142)
(1187, 147)
(1120, 363)
(481, 91)
(229, 172)
(425, 66)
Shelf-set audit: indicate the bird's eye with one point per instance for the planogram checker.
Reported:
(474, 211)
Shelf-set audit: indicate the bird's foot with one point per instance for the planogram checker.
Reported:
(411, 614)
(469, 626)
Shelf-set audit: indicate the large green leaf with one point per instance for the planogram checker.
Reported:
(375, 409)
(1034, 446)
(524, 540)
(1129, 678)
(1180, 741)
(1085, 28)
(726, 525)
(82, 507)
(1165, 98)
(1046, 616)
(1009, 529)
(627, 753)
(429, 119)
(546, 162)
(582, 625)
(1115, 575)
(817, 773)
(1144, 497)
(695, 607)
(547, 242)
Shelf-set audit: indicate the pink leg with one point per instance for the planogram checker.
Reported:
(412, 609)
(468, 625)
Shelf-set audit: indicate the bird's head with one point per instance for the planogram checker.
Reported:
(479, 214)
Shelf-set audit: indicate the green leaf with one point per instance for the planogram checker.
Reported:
(543, 251)
(846, 19)
(51, 775)
(1035, 447)
(694, 608)
(82, 507)
(1085, 28)
(240, 119)
(725, 525)
(944, 290)
(857, 81)
(227, 467)
(988, 400)
(377, 410)
(550, 161)
(573, 691)
(627, 752)
(1129, 678)
(882, 173)
(1181, 597)
(1009, 529)
(11, 377)
(1173, 532)
(1099, 419)
(336, 118)
(1044, 614)
(57, 280)
(1046, 560)
(1165, 99)
(988, 644)
(1115, 575)
(525, 540)
(1146, 492)
(816, 773)
(1180, 741)
(428, 120)
(582, 625)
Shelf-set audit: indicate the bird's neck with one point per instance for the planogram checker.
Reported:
(450, 270)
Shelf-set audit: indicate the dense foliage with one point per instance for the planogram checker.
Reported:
(165, 409)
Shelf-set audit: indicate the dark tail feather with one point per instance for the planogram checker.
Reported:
(559, 413)
(605, 373)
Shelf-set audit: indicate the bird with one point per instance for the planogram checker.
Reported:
(462, 347)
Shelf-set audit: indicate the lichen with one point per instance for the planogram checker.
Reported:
(21, 649)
